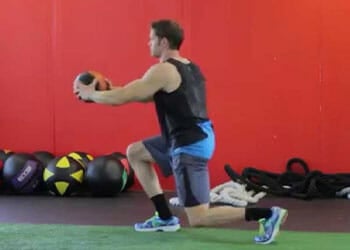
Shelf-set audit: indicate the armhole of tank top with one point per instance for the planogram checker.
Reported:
(180, 80)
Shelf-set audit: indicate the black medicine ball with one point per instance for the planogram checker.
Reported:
(22, 173)
(105, 176)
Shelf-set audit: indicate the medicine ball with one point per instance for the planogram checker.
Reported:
(63, 176)
(82, 157)
(105, 176)
(4, 154)
(130, 172)
(22, 173)
(44, 157)
(88, 77)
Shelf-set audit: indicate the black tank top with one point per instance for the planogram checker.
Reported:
(181, 110)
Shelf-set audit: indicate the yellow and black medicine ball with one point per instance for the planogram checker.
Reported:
(82, 157)
(63, 176)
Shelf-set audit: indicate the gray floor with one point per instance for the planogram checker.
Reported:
(131, 207)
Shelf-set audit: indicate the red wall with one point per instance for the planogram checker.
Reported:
(278, 76)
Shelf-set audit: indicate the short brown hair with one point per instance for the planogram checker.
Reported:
(171, 30)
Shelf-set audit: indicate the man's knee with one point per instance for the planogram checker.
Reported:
(197, 215)
(137, 152)
(196, 221)
(133, 150)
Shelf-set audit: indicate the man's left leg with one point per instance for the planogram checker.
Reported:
(192, 182)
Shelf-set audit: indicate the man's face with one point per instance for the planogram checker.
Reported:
(154, 44)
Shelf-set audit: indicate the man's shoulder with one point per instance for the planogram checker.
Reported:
(165, 69)
(161, 66)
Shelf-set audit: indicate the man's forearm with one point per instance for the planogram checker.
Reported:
(109, 97)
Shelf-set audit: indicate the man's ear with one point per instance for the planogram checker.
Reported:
(164, 42)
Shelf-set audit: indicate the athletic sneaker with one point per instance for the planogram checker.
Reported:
(271, 226)
(156, 224)
(261, 226)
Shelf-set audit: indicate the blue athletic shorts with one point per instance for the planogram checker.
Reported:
(190, 170)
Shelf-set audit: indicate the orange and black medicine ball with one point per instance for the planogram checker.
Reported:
(89, 76)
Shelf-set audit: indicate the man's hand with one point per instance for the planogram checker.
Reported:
(82, 91)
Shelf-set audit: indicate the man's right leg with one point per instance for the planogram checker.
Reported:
(141, 156)
(141, 161)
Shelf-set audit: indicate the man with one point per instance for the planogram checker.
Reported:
(187, 141)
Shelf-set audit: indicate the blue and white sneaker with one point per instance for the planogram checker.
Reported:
(261, 226)
(271, 226)
(156, 224)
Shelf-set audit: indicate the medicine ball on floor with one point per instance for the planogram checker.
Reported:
(130, 172)
(82, 157)
(1, 174)
(105, 176)
(64, 176)
(44, 157)
(22, 173)
(4, 154)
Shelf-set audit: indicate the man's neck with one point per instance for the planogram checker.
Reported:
(169, 54)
